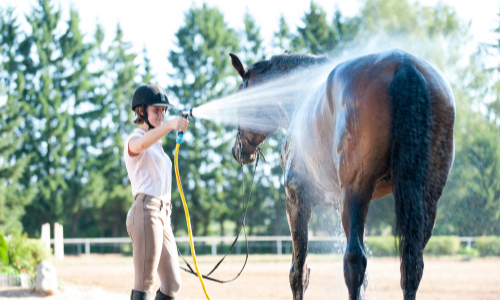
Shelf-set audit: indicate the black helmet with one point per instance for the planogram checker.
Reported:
(150, 94)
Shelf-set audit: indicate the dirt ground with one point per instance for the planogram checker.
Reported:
(266, 277)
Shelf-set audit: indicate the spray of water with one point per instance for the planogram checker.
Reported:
(251, 108)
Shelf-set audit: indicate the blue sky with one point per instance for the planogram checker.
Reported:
(153, 23)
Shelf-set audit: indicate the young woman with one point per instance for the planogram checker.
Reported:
(150, 173)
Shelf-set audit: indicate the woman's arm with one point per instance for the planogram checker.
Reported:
(138, 144)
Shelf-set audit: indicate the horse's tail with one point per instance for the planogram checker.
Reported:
(410, 112)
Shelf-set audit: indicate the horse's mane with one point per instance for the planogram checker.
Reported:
(287, 62)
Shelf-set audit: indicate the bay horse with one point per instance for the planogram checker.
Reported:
(379, 124)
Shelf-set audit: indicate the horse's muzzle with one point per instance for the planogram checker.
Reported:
(246, 157)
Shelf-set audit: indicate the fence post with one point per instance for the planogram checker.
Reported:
(58, 241)
(87, 248)
(214, 248)
(45, 237)
(278, 247)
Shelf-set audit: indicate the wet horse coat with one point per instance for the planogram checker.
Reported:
(379, 124)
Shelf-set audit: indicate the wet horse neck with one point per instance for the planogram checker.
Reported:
(312, 130)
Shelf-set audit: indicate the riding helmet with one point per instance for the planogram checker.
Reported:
(150, 94)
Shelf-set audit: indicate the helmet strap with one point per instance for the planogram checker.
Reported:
(145, 117)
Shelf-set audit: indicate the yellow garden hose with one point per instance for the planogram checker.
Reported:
(186, 211)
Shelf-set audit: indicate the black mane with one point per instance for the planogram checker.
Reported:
(287, 62)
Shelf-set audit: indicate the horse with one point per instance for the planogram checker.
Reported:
(379, 124)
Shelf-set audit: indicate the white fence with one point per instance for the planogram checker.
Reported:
(22, 280)
(217, 240)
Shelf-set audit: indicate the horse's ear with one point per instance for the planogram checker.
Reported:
(238, 66)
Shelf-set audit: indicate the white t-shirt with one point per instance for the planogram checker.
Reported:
(150, 172)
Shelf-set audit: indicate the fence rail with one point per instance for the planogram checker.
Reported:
(22, 280)
(214, 241)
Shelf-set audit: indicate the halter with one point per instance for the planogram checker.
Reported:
(258, 147)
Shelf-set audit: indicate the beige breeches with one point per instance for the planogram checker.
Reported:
(154, 248)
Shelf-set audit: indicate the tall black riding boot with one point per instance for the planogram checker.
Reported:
(160, 296)
(136, 295)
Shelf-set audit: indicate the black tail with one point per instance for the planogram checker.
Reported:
(411, 111)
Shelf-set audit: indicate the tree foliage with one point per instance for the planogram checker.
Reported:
(65, 111)
(13, 198)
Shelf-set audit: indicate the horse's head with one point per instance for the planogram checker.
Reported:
(279, 107)
(248, 143)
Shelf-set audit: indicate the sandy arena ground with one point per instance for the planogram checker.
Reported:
(110, 277)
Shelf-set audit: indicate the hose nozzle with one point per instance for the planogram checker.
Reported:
(188, 113)
(184, 114)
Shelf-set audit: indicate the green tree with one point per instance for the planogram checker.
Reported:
(470, 205)
(81, 91)
(391, 16)
(344, 29)
(94, 181)
(493, 51)
(251, 43)
(67, 108)
(13, 197)
(47, 122)
(398, 19)
(283, 38)
(316, 35)
(117, 198)
(146, 74)
(203, 72)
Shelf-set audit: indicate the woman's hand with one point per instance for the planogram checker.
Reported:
(137, 145)
(179, 123)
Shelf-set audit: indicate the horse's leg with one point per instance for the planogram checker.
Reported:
(298, 210)
(354, 208)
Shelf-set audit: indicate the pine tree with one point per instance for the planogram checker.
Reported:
(316, 35)
(80, 90)
(282, 38)
(344, 29)
(494, 53)
(47, 122)
(121, 70)
(203, 72)
(95, 185)
(13, 197)
(146, 74)
(251, 43)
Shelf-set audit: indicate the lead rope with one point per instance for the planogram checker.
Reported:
(207, 276)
